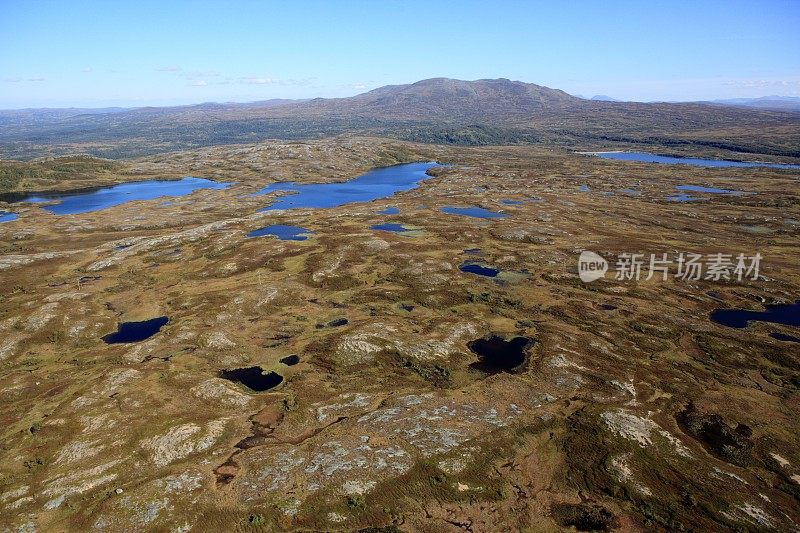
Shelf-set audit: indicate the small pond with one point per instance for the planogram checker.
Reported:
(7, 217)
(497, 353)
(290, 360)
(253, 378)
(390, 226)
(282, 232)
(136, 331)
(478, 269)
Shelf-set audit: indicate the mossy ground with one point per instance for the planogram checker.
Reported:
(424, 443)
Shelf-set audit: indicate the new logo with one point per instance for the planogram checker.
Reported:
(591, 266)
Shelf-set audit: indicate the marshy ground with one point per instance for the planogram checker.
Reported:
(631, 410)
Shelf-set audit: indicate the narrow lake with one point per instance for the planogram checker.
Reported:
(283, 232)
(644, 157)
(786, 314)
(390, 226)
(71, 203)
(375, 184)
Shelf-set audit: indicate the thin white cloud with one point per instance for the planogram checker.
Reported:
(36, 79)
(762, 83)
(199, 83)
(257, 81)
(263, 80)
(359, 86)
(198, 74)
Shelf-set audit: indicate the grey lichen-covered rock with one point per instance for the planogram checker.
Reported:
(180, 441)
(217, 390)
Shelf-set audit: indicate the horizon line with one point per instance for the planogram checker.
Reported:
(596, 97)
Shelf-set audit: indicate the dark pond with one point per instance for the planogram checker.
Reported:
(480, 270)
(608, 307)
(645, 157)
(136, 331)
(253, 377)
(290, 360)
(375, 184)
(389, 226)
(7, 217)
(389, 211)
(473, 251)
(475, 212)
(784, 337)
(499, 354)
(583, 188)
(788, 315)
(96, 199)
(510, 202)
(283, 232)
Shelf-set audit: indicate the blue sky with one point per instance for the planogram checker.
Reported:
(103, 53)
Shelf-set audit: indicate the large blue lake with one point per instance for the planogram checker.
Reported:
(375, 184)
(645, 157)
(96, 199)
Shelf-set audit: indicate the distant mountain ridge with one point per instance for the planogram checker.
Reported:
(777, 103)
(436, 110)
(456, 99)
